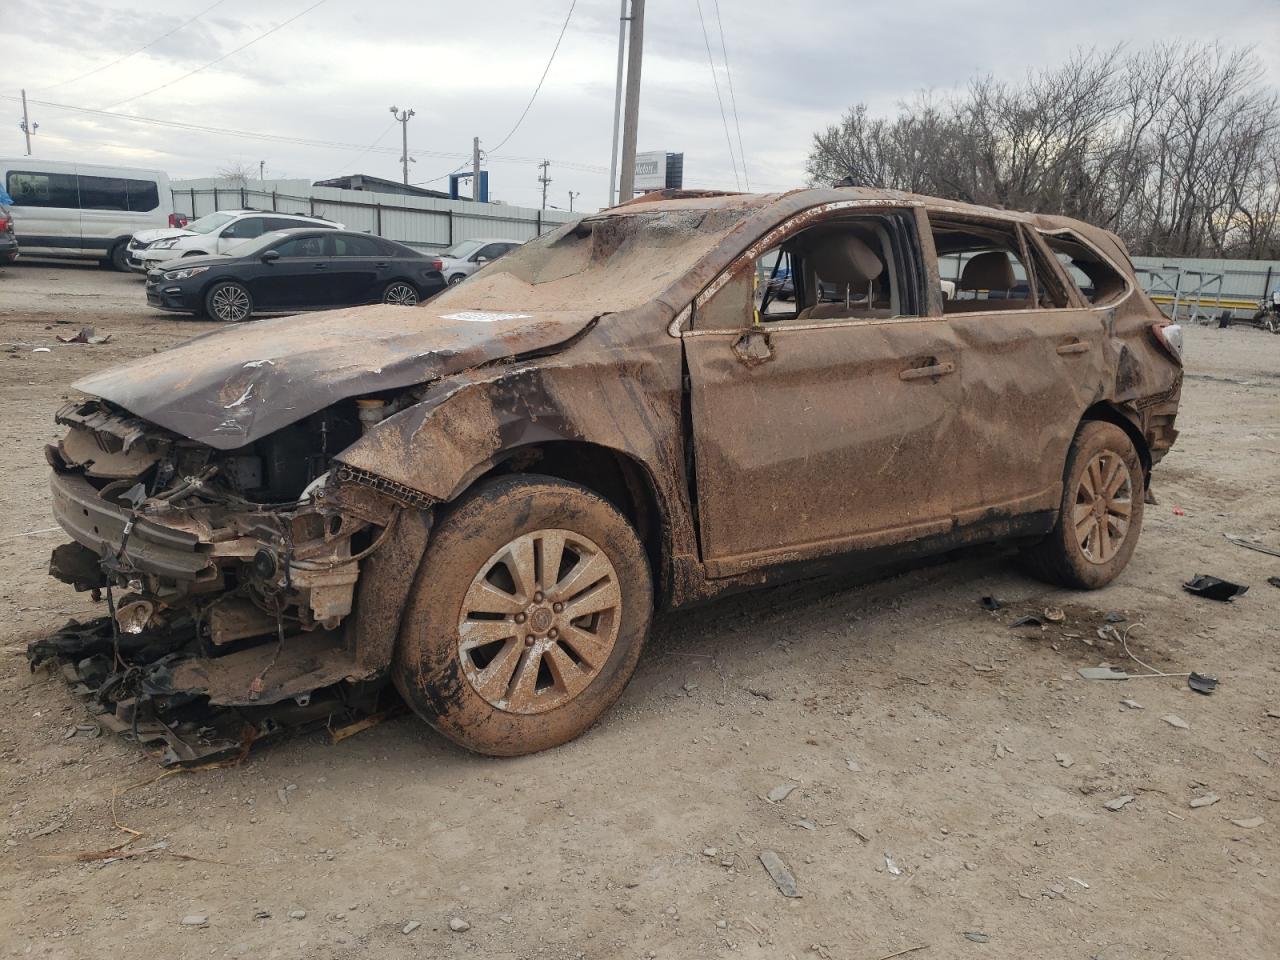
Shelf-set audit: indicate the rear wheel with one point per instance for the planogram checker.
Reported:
(228, 301)
(119, 259)
(402, 293)
(527, 617)
(457, 278)
(1101, 514)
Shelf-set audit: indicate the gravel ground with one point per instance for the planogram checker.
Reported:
(951, 773)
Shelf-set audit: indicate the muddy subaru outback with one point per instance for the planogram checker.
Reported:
(482, 501)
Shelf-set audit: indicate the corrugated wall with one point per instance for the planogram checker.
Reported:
(424, 222)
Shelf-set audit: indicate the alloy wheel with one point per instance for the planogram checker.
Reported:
(1103, 505)
(401, 294)
(539, 621)
(230, 303)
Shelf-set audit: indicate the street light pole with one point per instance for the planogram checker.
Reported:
(402, 117)
(617, 104)
(631, 119)
(475, 169)
(573, 195)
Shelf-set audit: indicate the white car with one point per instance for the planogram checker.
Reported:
(213, 234)
(467, 256)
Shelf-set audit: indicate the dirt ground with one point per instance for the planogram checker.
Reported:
(951, 771)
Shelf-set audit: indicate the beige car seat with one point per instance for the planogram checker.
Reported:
(845, 261)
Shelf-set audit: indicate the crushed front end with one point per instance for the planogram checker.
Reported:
(230, 577)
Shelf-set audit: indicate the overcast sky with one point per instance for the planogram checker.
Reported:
(468, 69)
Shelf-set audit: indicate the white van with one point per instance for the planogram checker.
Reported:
(64, 209)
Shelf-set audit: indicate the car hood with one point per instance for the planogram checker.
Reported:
(161, 233)
(208, 260)
(234, 386)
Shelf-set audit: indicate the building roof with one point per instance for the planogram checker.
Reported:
(362, 181)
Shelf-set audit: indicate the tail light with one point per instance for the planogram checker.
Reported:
(178, 220)
(6, 225)
(437, 264)
(1169, 337)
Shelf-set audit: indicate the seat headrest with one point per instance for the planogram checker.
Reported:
(988, 271)
(844, 259)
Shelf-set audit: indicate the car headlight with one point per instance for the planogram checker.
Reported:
(184, 273)
(164, 244)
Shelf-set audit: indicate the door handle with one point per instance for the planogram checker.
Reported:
(933, 370)
(381, 265)
(1075, 346)
(320, 266)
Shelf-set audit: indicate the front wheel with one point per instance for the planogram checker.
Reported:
(119, 259)
(401, 293)
(527, 617)
(228, 301)
(1101, 514)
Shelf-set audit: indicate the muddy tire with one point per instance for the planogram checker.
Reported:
(527, 617)
(456, 279)
(1100, 519)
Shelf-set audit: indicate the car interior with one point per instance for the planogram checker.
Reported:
(1097, 281)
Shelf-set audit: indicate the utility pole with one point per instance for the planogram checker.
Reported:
(631, 118)
(262, 172)
(402, 117)
(28, 128)
(544, 180)
(475, 169)
(573, 196)
(617, 104)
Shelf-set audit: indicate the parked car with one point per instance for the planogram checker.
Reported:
(8, 239)
(291, 270)
(483, 500)
(84, 210)
(467, 256)
(212, 234)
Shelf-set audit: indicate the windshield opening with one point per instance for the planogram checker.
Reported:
(247, 248)
(209, 222)
(463, 249)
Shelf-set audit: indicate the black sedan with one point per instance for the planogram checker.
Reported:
(289, 270)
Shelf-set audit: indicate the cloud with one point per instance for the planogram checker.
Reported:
(468, 70)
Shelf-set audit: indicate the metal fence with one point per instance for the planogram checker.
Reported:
(1204, 289)
(424, 222)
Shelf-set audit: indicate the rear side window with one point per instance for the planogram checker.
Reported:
(43, 189)
(245, 228)
(144, 195)
(104, 193)
(301, 247)
(348, 246)
(1097, 281)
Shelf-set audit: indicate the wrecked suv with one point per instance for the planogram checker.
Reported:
(482, 501)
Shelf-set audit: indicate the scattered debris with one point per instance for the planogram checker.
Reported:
(1208, 800)
(1179, 512)
(1213, 588)
(1173, 720)
(1252, 545)
(53, 827)
(1109, 634)
(42, 350)
(1132, 704)
(1102, 673)
(195, 920)
(411, 926)
(1114, 617)
(1065, 760)
(779, 873)
(852, 764)
(458, 925)
(1274, 714)
(1249, 823)
(297, 914)
(1202, 683)
(1120, 802)
(890, 956)
(1079, 881)
(709, 852)
(892, 865)
(1054, 614)
(976, 937)
(86, 335)
(1274, 581)
(780, 792)
(804, 823)
(990, 603)
(1028, 620)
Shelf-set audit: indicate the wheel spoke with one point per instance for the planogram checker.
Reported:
(569, 677)
(604, 596)
(587, 572)
(1120, 508)
(522, 691)
(590, 649)
(1104, 541)
(519, 561)
(494, 680)
(477, 633)
(1095, 477)
(484, 597)
(550, 556)
(1119, 474)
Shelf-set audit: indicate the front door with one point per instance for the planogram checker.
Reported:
(829, 428)
(299, 279)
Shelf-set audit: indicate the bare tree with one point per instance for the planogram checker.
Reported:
(1174, 147)
(238, 173)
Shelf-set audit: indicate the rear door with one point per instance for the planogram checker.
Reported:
(46, 210)
(104, 211)
(817, 433)
(358, 271)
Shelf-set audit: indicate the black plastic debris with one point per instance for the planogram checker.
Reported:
(1202, 683)
(1203, 585)
(1028, 620)
(990, 603)
(1114, 617)
(1274, 581)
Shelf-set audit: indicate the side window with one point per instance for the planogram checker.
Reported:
(862, 267)
(490, 251)
(301, 247)
(981, 268)
(43, 189)
(1097, 281)
(348, 246)
(144, 195)
(246, 228)
(103, 193)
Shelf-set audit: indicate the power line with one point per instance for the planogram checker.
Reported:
(551, 60)
(733, 100)
(191, 73)
(716, 80)
(377, 140)
(134, 53)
